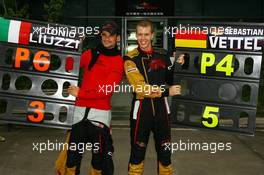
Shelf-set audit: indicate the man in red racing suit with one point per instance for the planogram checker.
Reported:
(103, 69)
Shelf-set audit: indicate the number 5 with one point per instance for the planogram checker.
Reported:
(210, 112)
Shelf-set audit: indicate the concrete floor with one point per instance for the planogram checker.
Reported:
(246, 156)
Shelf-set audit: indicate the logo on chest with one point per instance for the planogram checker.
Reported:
(156, 64)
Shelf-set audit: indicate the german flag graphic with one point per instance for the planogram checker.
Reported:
(191, 39)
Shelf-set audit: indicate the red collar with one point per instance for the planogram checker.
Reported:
(150, 52)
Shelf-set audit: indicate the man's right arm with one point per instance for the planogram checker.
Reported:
(85, 58)
(137, 81)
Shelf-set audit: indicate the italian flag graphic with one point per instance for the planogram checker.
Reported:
(191, 39)
(14, 31)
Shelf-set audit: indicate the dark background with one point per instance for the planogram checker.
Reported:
(248, 10)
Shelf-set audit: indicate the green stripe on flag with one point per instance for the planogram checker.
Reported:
(4, 27)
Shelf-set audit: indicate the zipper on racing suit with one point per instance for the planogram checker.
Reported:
(145, 72)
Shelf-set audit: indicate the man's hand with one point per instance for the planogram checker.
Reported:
(73, 90)
(180, 59)
(175, 90)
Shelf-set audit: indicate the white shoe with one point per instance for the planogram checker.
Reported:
(2, 139)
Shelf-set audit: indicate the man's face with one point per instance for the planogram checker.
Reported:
(144, 36)
(109, 41)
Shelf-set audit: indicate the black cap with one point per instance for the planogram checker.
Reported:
(111, 27)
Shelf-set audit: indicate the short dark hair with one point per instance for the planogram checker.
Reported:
(145, 23)
(111, 27)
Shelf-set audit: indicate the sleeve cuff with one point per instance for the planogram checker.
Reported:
(81, 94)
(165, 93)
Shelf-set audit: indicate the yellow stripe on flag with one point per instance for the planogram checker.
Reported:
(190, 43)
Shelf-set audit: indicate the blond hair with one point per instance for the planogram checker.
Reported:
(145, 23)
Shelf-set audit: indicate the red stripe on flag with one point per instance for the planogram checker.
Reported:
(24, 32)
(193, 35)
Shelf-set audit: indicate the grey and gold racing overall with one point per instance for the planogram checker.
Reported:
(148, 73)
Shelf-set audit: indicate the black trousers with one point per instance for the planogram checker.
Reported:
(96, 134)
(147, 116)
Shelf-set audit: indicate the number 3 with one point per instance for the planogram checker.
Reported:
(210, 112)
(38, 107)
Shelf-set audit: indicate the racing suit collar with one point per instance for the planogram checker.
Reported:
(108, 52)
(146, 52)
